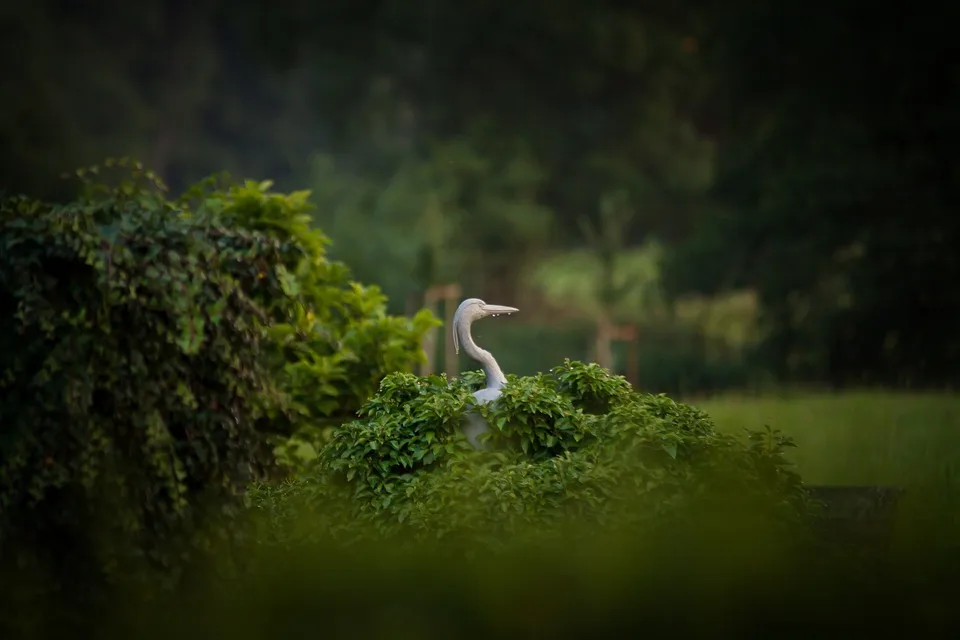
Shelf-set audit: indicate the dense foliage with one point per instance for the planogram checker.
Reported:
(332, 339)
(575, 448)
(150, 347)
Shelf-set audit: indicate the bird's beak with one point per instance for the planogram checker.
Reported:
(496, 310)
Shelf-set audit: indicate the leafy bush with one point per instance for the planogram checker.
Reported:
(575, 448)
(150, 347)
(132, 375)
(333, 340)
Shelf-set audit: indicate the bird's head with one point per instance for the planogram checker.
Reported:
(473, 309)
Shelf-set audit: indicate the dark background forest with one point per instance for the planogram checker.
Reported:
(764, 193)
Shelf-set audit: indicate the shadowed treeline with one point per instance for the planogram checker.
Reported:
(537, 155)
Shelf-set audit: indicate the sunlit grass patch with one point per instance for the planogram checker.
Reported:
(855, 438)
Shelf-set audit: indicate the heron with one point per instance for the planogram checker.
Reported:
(470, 310)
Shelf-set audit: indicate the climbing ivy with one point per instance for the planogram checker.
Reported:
(154, 351)
(132, 375)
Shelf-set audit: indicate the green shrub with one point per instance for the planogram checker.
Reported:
(151, 348)
(573, 449)
(132, 377)
(333, 339)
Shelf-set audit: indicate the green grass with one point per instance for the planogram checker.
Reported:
(857, 437)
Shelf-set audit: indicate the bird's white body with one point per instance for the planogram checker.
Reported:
(468, 311)
(474, 424)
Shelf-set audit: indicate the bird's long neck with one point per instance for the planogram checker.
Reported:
(495, 377)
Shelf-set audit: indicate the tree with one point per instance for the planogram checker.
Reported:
(167, 82)
(455, 215)
(133, 378)
(836, 201)
(154, 350)
(608, 282)
(332, 339)
(580, 100)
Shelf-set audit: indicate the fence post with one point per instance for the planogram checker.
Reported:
(449, 294)
(628, 333)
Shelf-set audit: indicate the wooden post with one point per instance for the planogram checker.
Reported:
(413, 303)
(430, 338)
(604, 336)
(449, 294)
(628, 333)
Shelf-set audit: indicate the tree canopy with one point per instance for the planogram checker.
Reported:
(801, 154)
(155, 349)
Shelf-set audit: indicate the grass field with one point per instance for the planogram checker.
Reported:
(855, 438)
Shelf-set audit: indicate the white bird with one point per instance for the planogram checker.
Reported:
(469, 310)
